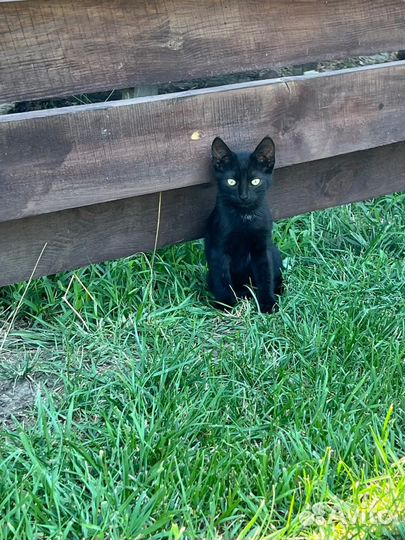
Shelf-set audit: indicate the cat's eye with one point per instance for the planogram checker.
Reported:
(255, 181)
(231, 182)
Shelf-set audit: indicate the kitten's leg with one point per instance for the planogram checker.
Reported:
(219, 279)
(240, 275)
(278, 286)
(263, 274)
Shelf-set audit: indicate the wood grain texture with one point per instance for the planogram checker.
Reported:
(62, 47)
(66, 158)
(96, 233)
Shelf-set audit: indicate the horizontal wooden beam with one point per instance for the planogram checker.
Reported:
(65, 158)
(77, 237)
(53, 48)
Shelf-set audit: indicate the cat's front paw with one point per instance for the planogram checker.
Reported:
(269, 306)
(244, 293)
(225, 304)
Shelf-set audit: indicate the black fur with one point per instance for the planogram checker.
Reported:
(238, 242)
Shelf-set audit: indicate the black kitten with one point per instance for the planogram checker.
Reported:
(238, 243)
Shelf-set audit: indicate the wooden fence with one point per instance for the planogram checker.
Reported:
(86, 181)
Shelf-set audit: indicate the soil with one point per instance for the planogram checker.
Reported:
(20, 383)
(17, 399)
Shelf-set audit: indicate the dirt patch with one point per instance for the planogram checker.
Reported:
(17, 400)
(23, 372)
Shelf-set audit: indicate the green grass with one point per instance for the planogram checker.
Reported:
(160, 417)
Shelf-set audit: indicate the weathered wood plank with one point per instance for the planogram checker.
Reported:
(106, 231)
(62, 47)
(66, 158)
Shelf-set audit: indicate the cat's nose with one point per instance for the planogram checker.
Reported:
(243, 196)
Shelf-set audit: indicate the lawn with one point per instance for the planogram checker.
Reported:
(133, 409)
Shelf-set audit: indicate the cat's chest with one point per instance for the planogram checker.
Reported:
(242, 239)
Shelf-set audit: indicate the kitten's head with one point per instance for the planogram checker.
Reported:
(243, 179)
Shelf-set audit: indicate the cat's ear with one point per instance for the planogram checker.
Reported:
(221, 154)
(265, 154)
